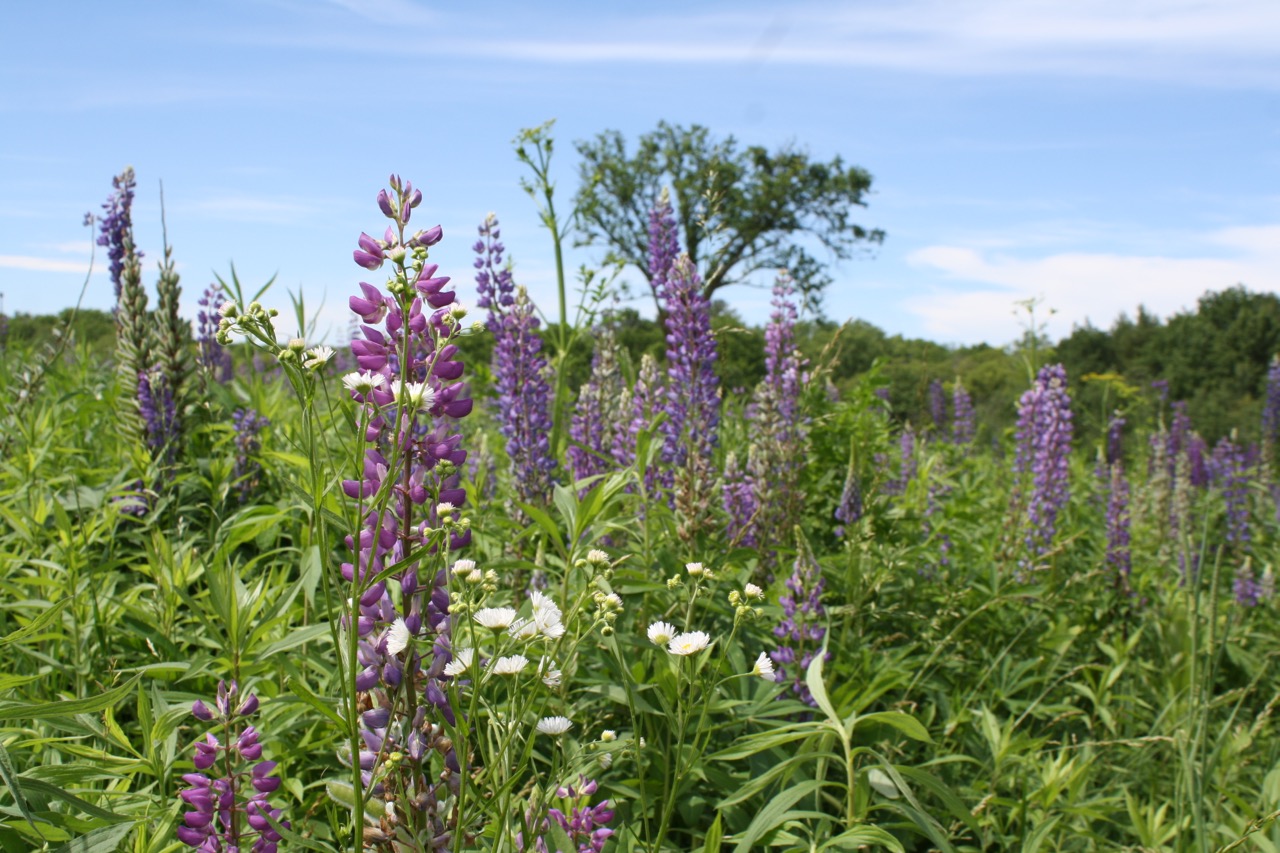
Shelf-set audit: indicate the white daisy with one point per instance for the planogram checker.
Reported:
(510, 665)
(554, 726)
(462, 567)
(461, 662)
(550, 675)
(694, 569)
(523, 629)
(753, 591)
(608, 736)
(660, 633)
(597, 557)
(763, 667)
(496, 618)
(689, 643)
(397, 637)
(318, 357)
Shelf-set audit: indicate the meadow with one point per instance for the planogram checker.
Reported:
(262, 592)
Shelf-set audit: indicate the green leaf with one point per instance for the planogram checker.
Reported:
(860, 836)
(774, 814)
(904, 723)
(714, 836)
(300, 690)
(65, 707)
(813, 678)
(297, 637)
(8, 776)
(39, 624)
(104, 839)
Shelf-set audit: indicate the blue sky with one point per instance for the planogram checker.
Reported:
(1094, 154)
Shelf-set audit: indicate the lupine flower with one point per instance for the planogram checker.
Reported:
(247, 472)
(159, 413)
(906, 463)
(739, 496)
(1044, 443)
(585, 825)
(222, 818)
(802, 627)
(215, 358)
(519, 369)
(849, 510)
(963, 423)
(1115, 438)
(693, 391)
(938, 406)
(1118, 554)
(1245, 587)
(646, 401)
(116, 225)
(1229, 472)
(599, 414)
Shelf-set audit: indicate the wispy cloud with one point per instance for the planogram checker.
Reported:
(1081, 286)
(243, 207)
(30, 263)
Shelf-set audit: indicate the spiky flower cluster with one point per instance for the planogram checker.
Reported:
(938, 406)
(802, 627)
(1228, 469)
(409, 394)
(247, 472)
(220, 818)
(1119, 558)
(585, 824)
(1044, 444)
(643, 403)
(214, 357)
(963, 420)
(159, 413)
(519, 369)
(599, 415)
(115, 227)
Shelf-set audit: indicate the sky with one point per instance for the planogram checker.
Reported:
(1094, 156)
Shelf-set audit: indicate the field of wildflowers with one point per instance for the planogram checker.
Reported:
(266, 593)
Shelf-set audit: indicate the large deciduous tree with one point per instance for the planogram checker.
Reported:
(739, 210)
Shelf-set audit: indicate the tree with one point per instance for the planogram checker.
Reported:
(739, 211)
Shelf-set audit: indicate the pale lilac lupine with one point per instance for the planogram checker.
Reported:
(802, 627)
(224, 815)
(1044, 445)
(739, 496)
(598, 415)
(519, 369)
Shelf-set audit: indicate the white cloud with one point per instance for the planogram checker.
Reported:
(34, 264)
(1086, 285)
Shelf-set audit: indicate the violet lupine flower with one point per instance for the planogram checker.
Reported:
(134, 501)
(117, 223)
(646, 401)
(598, 415)
(802, 628)
(1229, 472)
(1245, 587)
(1271, 406)
(1119, 558)
(159, 413)
(664, 245)
(739, 495)
(906, 463)
(850, 509)
(1179, 433)
(247, 472)
(214, 356)
(519, 370)
(1161, 387)
(586, 825)
(1044, 444)
(1115, 439)
(963, 423)
(938, 406)
(218, 820)
(409, 390)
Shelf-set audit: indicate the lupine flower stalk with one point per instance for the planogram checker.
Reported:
(172, 347)
(1229, 472)
(133, 335)
(410, 397)
(802, 627)
(1118, 558)
(644, 402)
(222, 817)
(214, 357)
(963, 421)
(247, 472)
(599, 414)
(159, 414)
(585, 825)
(520, 370)
(938, 406)
(1044, 444)
(849, 510)
(116, 229)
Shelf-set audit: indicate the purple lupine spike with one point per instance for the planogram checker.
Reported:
(802, 627)
(907, 463)
(938, 406)
(159, 412)
(963, 420)
(598, 415)
(739, 495)
(116, 223)
(646, 401)
(213, 356)
(1271, 408)
(1118, 558)
(664, 245)
(247, 472)
(1115, 439)
(693, 390)
(849, 510)
(1044, 445)
(1228, 470)
(1245, 587)
(520, 371)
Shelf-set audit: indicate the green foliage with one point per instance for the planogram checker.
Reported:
(739, 210)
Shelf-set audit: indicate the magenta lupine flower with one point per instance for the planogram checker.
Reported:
(519, 369)
(411, 398)
(802, 628)
(214, 356)
(1044, 444)
(116, 223)
(229, 809)
(963, 420)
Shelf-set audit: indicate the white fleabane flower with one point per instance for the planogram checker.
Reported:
(228, 308)
(597, 557)
(496, 618)
(554, 726)
(763, 667)
(363, 383)
(689, 643)
(445, 508)
(510, 665)
(318, 357)
(608, 736)
(523, 629)
(552, 630)
(462, 567)
(461, 662)
(550, 675)
(753, 591)
(397, 637)
(694, 569)
(457, 311)
(660, 633)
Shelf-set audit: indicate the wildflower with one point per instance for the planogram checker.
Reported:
(318, 357)
(496, 618)
(551, 676)
(753, 591)
(689, 643)
(462, 659)
(554, 726)
(462, 567)
(694, 569)
(398, 636)
(597, 557)
(363, 383)
(963, 424)
(661, 633)
(763, 667)
(608, 736)
(510, 665)
(598, 415)
(1044, 443)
